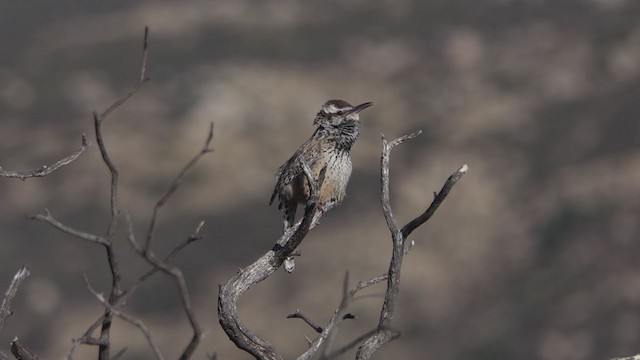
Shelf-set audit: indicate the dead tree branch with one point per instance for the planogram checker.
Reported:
(107, 241)
(21, 352)
(162, 265)
(128, 318)
(116, 287)
(384, 334)
(324, 339)
(173, 271)
(262, 268)
(18, 279)
(231, 291)
(46, 170)
(87, 338)
(175, 184)
(305, 318)
(48, 218)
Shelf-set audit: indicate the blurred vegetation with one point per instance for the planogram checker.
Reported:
(533, 256)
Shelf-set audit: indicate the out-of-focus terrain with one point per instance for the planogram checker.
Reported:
(533, 256)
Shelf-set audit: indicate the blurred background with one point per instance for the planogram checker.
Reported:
(534, 255)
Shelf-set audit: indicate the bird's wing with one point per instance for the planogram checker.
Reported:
(310, 152)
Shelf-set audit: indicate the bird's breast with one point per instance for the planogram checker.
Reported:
(337, 174)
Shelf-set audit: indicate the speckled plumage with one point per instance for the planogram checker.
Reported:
(328, 148)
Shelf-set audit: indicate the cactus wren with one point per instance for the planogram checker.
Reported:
(328, 148)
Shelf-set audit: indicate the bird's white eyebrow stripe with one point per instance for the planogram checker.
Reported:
(331, 109)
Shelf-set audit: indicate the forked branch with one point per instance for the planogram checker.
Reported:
(103, 342)
(384, 334)
(162, 265)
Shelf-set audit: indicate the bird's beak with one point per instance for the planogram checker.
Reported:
(360, 107)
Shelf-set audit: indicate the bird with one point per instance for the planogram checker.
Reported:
(328, 150)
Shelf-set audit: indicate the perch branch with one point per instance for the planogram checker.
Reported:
(384, 334)
(46, 170)
(259, 270)
(18, 279)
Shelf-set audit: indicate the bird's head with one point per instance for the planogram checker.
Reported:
(336, 113)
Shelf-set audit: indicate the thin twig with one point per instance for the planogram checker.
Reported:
(321, 342)
(128, 318)
(184, 295)
(86, 338)
(142, 80)
(46, 170)
(5, 308)
(355, 342)
(119, 354)
(175, 184)
(48, 218)
(437, 200)
(154, 270)
(305, 318)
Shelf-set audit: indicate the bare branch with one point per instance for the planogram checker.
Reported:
(256, 272)
(46, 217)
(300, 315)
(438, 199)
(131, 320)
(5, 308)
(21, 352)
(116, 290)
(193, 237)
(176, 183)
(86, 338)
(143, 79)
(173, 271)
(107, 241)
(322, 341)
(184, 295)
(383, 335)
(355, 342)
(119, 354)
(46, 170)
